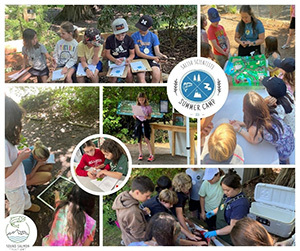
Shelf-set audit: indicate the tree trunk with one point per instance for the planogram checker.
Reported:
(286, 177)
(74, 13)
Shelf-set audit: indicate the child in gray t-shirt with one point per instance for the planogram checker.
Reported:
(35, 54)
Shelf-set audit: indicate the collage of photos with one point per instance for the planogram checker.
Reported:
(96, 153)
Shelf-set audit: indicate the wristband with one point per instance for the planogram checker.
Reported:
(241, 128)
(85, 68)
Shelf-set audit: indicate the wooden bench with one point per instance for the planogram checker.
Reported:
(14, 59)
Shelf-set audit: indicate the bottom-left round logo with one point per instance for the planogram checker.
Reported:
(21, 231)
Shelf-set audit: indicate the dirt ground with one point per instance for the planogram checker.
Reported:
(277, 26)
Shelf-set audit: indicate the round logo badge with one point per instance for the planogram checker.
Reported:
(197, 87)
(20, 231)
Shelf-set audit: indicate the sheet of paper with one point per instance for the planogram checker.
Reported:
(81, 72)
(113, 65)
(56, 75)
(51, 159)
(117, 71)
(16, 75)
(137, 110)
(107, 184)
(138, 66)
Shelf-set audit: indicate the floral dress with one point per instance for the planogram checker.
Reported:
(285, 144)
(58, 235)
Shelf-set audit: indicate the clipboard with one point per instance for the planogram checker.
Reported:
(124, 75)
(15, 75)
(59, 79)
(144, 62)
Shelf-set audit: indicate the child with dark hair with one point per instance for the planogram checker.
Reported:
(272, 53)
(249, 33)
(287, 72)
(206, 51)
(162, 183)
(72, 223)
(281, 100)
(89, 54)
(249, 232)
(15, 177)
(92, 157)
(115, 159)
(130, 217)
(162, 230)
(233, 207)
(35, 54)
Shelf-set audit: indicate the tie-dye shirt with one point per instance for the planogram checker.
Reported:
(58, 235)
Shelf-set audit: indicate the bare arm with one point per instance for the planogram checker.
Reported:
(226, 230)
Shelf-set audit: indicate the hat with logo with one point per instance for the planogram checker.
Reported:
(275, 86)
(210, 173)
(144, 23)
(287, 64)
(119, 26)
(213, 15)
(93, 35)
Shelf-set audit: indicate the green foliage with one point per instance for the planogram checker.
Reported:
(172, 17)
(15, 24)
(23, 143)
(232, 9)
(69, 101)
(177, 18)
(122, 126)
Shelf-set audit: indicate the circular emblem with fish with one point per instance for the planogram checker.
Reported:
(197, 87)
(21, 232)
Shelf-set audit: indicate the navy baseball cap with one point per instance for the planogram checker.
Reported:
(213, 15)
(144, 23)
(287, 64)
(275, 86)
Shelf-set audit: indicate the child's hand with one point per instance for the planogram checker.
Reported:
(146, 211)
(271, 101)
(24, 153)
(91, 175)
(128, 61)
(193, 237)
(156, 59)
(64, 70)
(89, 73)
(119, 61)
(206, 130)
(134, 116)
(101, 174)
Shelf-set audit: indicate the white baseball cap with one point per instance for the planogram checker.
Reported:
(210, 173)
(119, 26)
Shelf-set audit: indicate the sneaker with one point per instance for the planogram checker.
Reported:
(140, 157)
(151, 158)
(285, 46)
(34, 208)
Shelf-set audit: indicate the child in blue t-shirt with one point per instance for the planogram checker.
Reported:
(146, 46)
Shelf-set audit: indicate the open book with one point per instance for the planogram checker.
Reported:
(107, 183)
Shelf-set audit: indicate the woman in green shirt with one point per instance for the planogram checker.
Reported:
(116, 158)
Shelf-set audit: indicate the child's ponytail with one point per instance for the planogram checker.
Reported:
(40, 151)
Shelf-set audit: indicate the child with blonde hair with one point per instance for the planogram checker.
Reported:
(222, 147)
(37, 170)
(65, 52)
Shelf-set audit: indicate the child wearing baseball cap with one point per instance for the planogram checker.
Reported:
(146, 45)
(119, 46)
(89, 53)
(218, 37)
(280, 99)
(287, 72)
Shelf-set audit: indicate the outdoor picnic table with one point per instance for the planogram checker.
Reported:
(174, 129)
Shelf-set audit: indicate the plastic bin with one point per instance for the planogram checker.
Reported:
(274, 208)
